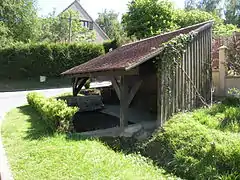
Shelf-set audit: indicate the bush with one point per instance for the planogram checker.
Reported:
(113, 44)
(56, 114)
(34, 60)
(204, 144)
(194, 151)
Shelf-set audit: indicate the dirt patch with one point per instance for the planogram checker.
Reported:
(91, 121)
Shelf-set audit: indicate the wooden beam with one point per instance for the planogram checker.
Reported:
(123, 102)
(116, 86)
(133, 91)
(134, 71)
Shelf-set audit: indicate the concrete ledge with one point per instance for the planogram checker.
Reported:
(134, 130)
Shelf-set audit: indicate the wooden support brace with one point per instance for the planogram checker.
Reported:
(78, 83)
(116, 86)
(133, 91)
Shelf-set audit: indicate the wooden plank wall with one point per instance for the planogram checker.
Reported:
(190, 84)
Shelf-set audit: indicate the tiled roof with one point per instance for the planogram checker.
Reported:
(130, 55)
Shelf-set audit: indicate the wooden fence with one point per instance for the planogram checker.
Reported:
(190, 83)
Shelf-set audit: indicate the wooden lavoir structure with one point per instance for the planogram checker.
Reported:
(133, 74)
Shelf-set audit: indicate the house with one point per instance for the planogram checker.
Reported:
(141, 88)
(88, 22)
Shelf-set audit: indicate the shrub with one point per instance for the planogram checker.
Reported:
(56, 114)
(194, 151)
(33, 60)
(112, 44)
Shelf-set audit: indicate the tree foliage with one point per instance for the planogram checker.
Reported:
(5, 39)
(20, 17)
(232, 11)
(108, 21)
(64, 28)
(204, 5)
(148, 17)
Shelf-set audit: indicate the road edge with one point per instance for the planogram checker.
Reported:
(5, 171)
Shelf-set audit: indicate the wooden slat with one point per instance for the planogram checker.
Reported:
(192, 74)
(162, 98)
(174, 88)
(189, 94)
(159, 99)
(195, 72)
(200, 64)
(177, 88)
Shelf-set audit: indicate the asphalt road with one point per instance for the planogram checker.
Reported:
(10, 100)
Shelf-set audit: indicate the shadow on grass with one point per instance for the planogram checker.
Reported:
(118, 144)
(38, 129)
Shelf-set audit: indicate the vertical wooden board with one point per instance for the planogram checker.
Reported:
(200, 63)
(166, 100)
(191, 72)
(180, 80)
(172, 92)
(204, 67)
(188, 95)
(162, 98)
(159, 101)
(210, 58)
(177, 88)
(198, 69)
(183, 82)
(195, 72)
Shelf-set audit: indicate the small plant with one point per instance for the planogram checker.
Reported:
(87, 84)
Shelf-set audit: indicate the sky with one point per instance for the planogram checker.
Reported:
(93, 7)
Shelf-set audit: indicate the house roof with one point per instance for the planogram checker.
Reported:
(87, 18)
(132, 55)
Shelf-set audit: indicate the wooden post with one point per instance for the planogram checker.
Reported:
(222, 69)
(123, 102)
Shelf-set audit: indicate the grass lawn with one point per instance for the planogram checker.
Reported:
(32, 84)
(34, 153)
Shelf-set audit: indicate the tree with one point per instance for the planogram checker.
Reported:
(5, 38)
(148, 17)
(232, 12)
(190, 4)
(204, 5)
(65, 28)
(209, 5)
(187, 18)
(108, 21)
(20, 17)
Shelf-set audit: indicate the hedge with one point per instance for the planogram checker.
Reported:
(34, 60)
(191, 149)
(56, 114)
